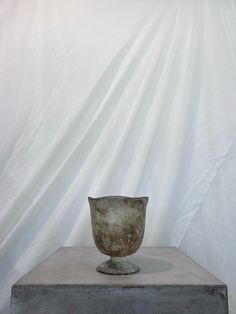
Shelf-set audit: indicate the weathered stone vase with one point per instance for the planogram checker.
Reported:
(118, 224)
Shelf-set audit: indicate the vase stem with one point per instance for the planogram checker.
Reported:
(115, 259)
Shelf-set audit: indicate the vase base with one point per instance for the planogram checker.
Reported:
(118, 266)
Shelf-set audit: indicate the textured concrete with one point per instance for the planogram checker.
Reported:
(169, 283)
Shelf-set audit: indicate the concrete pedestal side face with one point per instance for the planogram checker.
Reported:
(117, 300)
(169, 283)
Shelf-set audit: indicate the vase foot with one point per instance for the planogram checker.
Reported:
(118, 266)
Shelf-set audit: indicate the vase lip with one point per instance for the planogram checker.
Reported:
(118, 197)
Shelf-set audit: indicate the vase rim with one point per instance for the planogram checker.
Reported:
(118, 197)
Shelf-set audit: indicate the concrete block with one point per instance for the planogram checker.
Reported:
(169, 283)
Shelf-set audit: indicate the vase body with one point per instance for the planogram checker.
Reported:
(118, 224)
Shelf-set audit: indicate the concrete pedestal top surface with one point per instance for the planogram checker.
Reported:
(169, 282)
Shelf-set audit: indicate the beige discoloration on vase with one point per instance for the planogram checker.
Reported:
(118, 224)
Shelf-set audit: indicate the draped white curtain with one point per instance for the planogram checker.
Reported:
(117, 97)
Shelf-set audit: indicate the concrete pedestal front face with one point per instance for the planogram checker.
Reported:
(169, 283)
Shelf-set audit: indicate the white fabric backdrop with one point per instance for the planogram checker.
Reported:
(117, 97)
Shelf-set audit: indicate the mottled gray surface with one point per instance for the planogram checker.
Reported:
(118, 224)
(169, 283)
